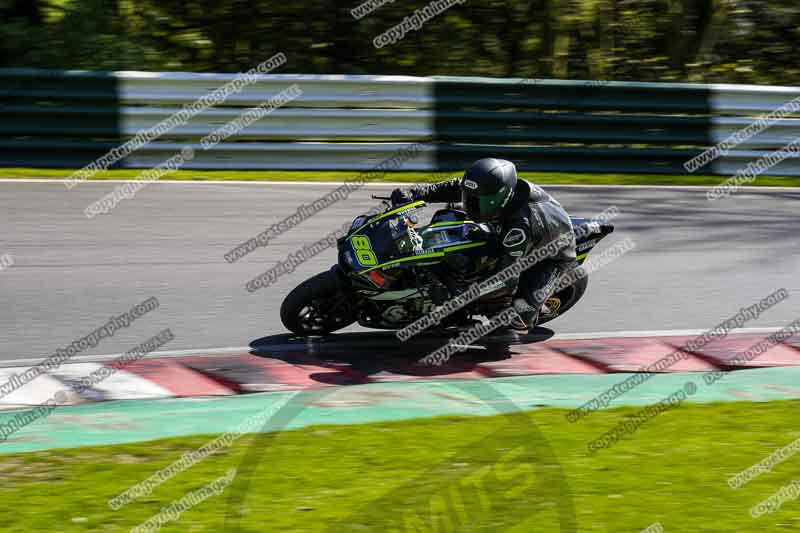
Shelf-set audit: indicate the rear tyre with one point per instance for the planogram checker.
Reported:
(318, 306)
(563, 300)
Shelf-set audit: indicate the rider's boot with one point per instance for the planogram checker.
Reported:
(526, 318)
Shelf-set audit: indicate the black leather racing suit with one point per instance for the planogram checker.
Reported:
(531, 220)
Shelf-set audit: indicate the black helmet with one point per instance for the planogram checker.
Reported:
(487, 187)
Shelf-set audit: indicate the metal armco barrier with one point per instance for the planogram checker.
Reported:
(70, 118)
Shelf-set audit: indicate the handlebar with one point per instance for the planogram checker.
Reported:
(376, 197)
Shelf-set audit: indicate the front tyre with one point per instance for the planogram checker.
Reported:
(318, 306)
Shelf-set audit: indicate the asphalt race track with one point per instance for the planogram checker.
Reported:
(695, 263)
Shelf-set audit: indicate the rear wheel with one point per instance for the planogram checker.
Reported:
(318, 306)
(563, 300)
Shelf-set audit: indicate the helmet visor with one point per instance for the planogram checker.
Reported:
(484, 206)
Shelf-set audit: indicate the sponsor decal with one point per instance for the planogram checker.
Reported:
(515, 237)
(553, 305)
(416, 240)
(357, 223)
(469, 184)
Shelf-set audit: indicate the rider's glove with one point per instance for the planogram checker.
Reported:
(399, 197)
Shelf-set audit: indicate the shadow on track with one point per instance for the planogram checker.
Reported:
(353, 358)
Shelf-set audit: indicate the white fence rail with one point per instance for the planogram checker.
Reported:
(354, 122)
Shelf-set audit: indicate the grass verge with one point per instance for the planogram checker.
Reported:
(416, 177)
(443, 474)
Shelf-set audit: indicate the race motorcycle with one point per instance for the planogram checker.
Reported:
(391, 271)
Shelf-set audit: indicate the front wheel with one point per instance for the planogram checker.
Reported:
(318, 306)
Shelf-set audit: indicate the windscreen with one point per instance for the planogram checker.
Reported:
(385, 239)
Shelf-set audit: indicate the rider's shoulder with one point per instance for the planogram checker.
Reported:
(533, 192)
(518, 218)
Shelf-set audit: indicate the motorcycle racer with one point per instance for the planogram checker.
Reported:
(522, 217)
